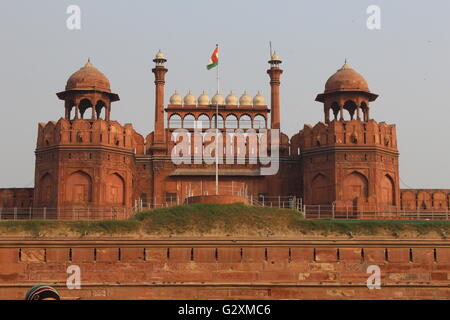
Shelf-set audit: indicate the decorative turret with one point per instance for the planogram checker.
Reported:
(88, 88)
(346, 90)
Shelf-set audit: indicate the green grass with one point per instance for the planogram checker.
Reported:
(215, 219)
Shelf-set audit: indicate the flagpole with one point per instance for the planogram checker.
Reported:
(217, 130)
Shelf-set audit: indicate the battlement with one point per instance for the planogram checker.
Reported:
(89, 132)
(345, 133)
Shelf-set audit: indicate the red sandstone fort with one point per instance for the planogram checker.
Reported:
(87, 161)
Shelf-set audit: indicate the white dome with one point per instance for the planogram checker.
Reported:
(231, 99)
(217, 99)
(259, 100)
(176, 98)
(160, 55)
(245, 99)
(203, 100)
(190, 99)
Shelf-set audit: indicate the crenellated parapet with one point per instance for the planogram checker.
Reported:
(83, 132)
(346, 133)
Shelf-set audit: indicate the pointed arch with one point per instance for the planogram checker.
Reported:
(46, 189)
(79, 187)
(388, 190)
(320, 189)
(115, 189)
(356, 185)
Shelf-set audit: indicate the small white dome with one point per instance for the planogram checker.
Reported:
(190, 99)
(160, 55)
(245, 99)
(203, 100)
(259, 100)
(231, 99)
(217, 99)
(176, 98)
(275, 57)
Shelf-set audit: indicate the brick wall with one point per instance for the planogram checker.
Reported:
(243, 270)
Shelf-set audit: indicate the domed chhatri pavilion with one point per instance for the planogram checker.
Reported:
(86, 160)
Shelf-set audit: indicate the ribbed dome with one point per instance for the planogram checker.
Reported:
(231, 99)
(245, 99)
(217, 99)
(176, 98)
(259, 100)
(190, 99)
(88, 78)
(346, 79)
(203, 100)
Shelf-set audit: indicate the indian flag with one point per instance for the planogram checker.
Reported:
(214, 60)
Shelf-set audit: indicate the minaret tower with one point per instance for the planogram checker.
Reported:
(274, 73)
(160, 71)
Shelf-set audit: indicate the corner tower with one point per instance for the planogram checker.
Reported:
(350, 161)
(85, 160)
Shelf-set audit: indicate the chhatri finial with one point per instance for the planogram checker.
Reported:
(88, 63)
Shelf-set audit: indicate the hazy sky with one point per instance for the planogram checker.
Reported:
(406, 63)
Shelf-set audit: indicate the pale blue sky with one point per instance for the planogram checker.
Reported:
(406, 62)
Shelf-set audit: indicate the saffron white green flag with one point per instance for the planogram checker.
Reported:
(214, 60)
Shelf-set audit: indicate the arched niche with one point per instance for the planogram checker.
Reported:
(79, 188)
(355, 186)
(46, 189)
(387, 190)
(115, 189)
(319, 189)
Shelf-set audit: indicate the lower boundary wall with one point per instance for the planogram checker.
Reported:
(225, 269)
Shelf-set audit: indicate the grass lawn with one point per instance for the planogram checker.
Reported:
(215, 219)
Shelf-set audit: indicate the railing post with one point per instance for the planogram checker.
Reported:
(319, 210)
(29, 213)
(15, 213)
(1, 213)
(73, 213)
(45, 213)
(332, 211)
(446, 213)
(346, 209)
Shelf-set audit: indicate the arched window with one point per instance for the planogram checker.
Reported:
(188, 121)
(175, 121)
(350, 106)
(84, 105)
(259, 122)
(231, 122)
(204, 119)
(100, 109)
(245, 122)
(220, 122)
